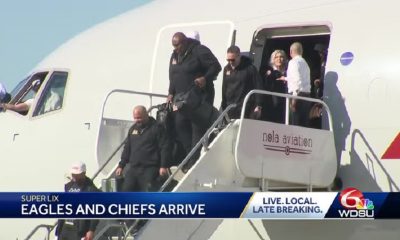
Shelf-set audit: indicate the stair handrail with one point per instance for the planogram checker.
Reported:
(287, 96)
(150, 95)
(202, 141)
(390, 179)
(106, 227)
(49, 228)
(109, 159)
(117, 149)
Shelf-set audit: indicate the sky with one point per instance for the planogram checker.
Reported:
(32, 29)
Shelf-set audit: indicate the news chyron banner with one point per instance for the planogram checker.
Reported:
(349, 203)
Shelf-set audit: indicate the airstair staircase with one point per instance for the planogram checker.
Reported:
(250, 156)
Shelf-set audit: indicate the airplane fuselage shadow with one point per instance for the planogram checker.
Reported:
(365, 167)
(341, 121)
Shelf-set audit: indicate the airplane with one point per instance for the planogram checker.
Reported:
(103, 72)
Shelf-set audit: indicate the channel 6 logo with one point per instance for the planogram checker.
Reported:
(356, 206)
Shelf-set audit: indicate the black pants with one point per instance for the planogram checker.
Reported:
(274, 109)
(300, 117)
(210, 94)
(69, 232)
(139, 179)
(188, 134)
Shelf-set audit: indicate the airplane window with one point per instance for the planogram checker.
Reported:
(18, 88)
(24, 94)
(23, 91)
(53, 95)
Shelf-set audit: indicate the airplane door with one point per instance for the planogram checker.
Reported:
(267, 38)
(216, 35)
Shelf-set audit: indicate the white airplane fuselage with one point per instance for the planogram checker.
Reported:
(132, 52)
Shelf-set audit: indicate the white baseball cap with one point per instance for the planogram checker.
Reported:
(78, 168)
(35, 83)
(193, 34)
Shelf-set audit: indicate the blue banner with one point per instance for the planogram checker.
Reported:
(123, 205)
(349, 203)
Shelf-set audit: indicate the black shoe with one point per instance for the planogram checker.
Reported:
(135, 231)
(337, 184)
(185, 169)
(188, 166)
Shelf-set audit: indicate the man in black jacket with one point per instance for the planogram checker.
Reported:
(240, 77)
(146, 150)
(78, 229)
(192, 65)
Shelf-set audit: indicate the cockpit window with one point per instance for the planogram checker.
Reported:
(24, 94)
(18, 88)
(25, 89)
(53, 94)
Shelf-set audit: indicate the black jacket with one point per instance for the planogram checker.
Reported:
(83, 226)
(146, 147)
(273, 85)
(196, 61)
(238, 82)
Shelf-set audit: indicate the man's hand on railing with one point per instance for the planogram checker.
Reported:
(89, 235)
(163, 171)
(293, 105)
(169, 98)
(118, 172)
(257, 112)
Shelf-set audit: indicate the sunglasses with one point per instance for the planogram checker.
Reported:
(230, 60)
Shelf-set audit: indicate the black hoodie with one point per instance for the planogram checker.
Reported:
(146, 146)
(196, 61)
(238, 82)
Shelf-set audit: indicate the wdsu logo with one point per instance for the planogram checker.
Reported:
(356, 206)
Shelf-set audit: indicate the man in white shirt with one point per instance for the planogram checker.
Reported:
(298, 80)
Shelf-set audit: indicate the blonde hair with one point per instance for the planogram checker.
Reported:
(274, 53)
